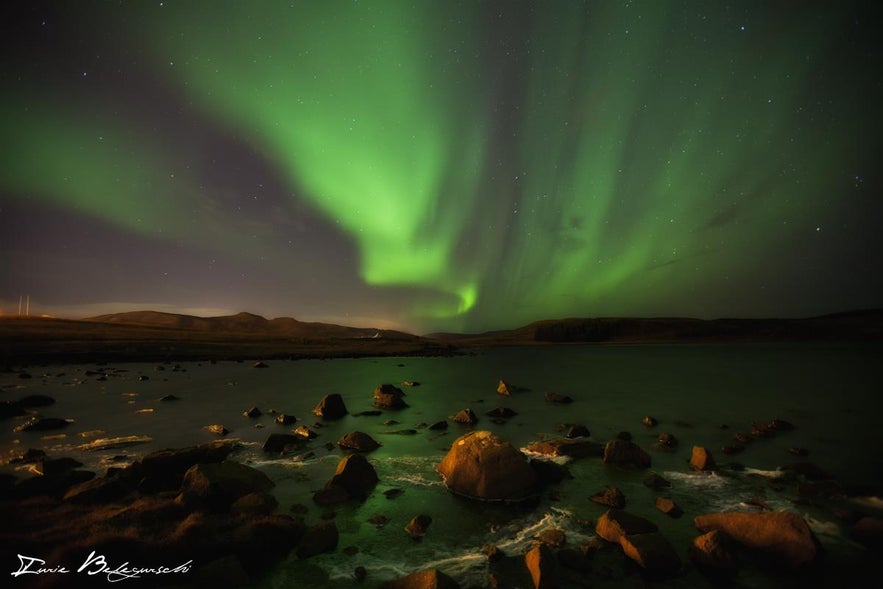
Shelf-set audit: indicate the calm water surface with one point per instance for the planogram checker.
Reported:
(830, 392)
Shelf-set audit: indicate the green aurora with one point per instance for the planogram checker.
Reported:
(490, 163)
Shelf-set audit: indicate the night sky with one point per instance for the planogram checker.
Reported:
(441, 165)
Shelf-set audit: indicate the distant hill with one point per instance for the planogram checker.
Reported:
(863, 325)
(248, 323)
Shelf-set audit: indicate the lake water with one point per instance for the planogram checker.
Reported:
(830, 392)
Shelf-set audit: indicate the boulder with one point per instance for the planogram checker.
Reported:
(868, 530)
(652, 552)
(418, 526)
(429, 579)
(387, 396)
(542, 565)
(98, 491)
(504, 389)
(701, 459)
(611, 497)
(713, 553)
(304, 432)
(579, 448)
(483, 466)
(254, 504)
(252, 412)
(668, 440)
(218, 485)
(615, 524)
(577, 431)
(54, 466)
(439, 426)
(331, 407)
(165, 468)
(358, 442)
(217, 429)
(668, 507)
(285, 419)
(557, 398)
(782, 536)
(501, 412)
(168, 398)
(260, 364)
(649, 421)
(279, 443)
(627, 454)
(548, 472)
(553, 537)
(320, 538)
(656, 482)
(354, 478)
(465, 416)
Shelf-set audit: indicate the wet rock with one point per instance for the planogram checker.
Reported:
(410, 383)
(417, 527)
(429, 579)
(798, 451)
(504, 389)
(501, 412)
(492, 552)
(557, 398)
(378, 520)
(387, 396)
(780, 425)
(254, 504)
(615, 524)
(548, 472)
(29, 456)
(369, 413)
(401, 432)
(169, 398)
(320, 538)
(389, 422)
(56, 485)
(360, 573)
(285, 419)
(668, 440)
(652, 552)
(218, 485)
(304, 432)
(626, 454)
(252, 412)
(743, 438)
(611, 497)
(164, 469)
(279, 443)
(260, 365)
(553, 537)
(579, 448)
(143, 377)
(577, 431)
(439, 426)
(669, 507)
(331, 407)
(358, 442)
(868, 530)
(701, 459)
(39, 424)
(354, 478)
(482, 465)
(99, 490)
(656, 482)
(465, 416)
(217, 429)
(714, 554)
(784, 538)
(31, 401)
(55, 466)
(649, 421)
(542, 565)
(393, 493)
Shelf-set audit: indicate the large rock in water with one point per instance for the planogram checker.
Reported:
(701, 459)
(218, 485)
(165, 468)
(652, 552)
(626, 454)
(615, 524)
(331, 407)
(358, 442)
(542, 565)
(387, 396)
(354, 478)
(483, 466)
(429, 579)
(783, 536)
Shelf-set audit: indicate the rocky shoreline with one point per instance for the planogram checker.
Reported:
(202, 502)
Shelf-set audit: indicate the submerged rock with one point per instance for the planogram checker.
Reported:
(217, 429)
(466, 416)
(331, 407)
(429, 579)
(38, 424)
(354, 478)
(504, 389)
(611, 497)
(502, 412)
(615, 524)
(577, 431)
(713, 553)
(557, 398)
(656, 482)
(279, 443)
(358, 442)
(218, 485)
(627, 454)
(285, 419)
(252, 412)
(579, 448)
(649, 421)
(652, 552)
(668, 507)
(701, 459)
(782, 536)
(543, 566)
(31, 401)
(320, 538)
(387, 396)
(418, 526)
(483, 466)
(439, 426)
